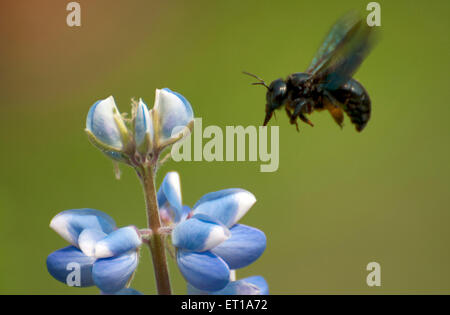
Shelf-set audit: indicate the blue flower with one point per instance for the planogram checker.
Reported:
(169, 200)
(169, 121)
(143, 128)
(208, 239)
(99, 254)
(255, 285)
(174, 113)
(103, 122)
(128, 291)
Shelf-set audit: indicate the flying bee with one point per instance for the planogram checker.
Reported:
(327, 84)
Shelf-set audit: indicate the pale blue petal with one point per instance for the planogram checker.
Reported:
(100, 121)
(194, 291)
(204, 271)
(175, 112)
(112, 274)
(88, 239)
(70, 266)
(260, 282)
(245, 245)
(115, 155)
(143, 123)
(169, 197)
(239, 287)
(185, 212)
(227, 206)
(70, 223)
(118, 242)
(246, 286)
(128, 291)
(199, 233)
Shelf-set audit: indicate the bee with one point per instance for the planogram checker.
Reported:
(327, 84)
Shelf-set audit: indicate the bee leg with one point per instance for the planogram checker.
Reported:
(292, 119)
(294, 122)
(296, 125)
(301, 106)
(288, 112)
(306, 120)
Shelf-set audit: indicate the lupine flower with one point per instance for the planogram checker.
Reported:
(148, 132)
(128, 291)
(208, 240)
(101, 254)
(255, 285)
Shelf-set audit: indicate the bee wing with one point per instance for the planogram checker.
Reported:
(333, 40)
(350, 41)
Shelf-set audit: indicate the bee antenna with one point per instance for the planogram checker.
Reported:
(261, 81)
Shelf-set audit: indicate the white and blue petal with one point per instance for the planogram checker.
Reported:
(102, 124)
(88, 239)
(112, 274)
(227, 206)
(194, 291)
(143, 124)
(169, 197)
(199, 233)
(70, 223)
(239, 287)
(260, 282)
(174, 112)
(128, 291)
(118, 242)
(245, 245)
(70, 266)
(255, 285)
(205, 271)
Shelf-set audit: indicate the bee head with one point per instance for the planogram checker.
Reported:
(276, 95)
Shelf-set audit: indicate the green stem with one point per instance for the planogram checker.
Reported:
(156, 243)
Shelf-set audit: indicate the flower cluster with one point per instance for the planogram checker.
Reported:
(210, 244)
(100, 254)
(141, 138)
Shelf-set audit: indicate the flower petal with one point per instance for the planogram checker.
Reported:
(245, 245)
(204, 271)
(260, 282)
(169, 197)
(174, 111)
(70, 266)
(143, 124)
(112, 274)
(88, 239)
(70, 223)
(228, 205)
(194, 291)
(118, 242)
(199, 233)
(128, 291)
(100, 121)
(239, 287)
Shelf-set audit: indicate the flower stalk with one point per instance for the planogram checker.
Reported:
(156, 242)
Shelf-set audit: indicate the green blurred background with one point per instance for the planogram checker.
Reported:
(339, 199)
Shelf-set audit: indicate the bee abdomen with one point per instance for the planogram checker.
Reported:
(359, 113)
(355, 102)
